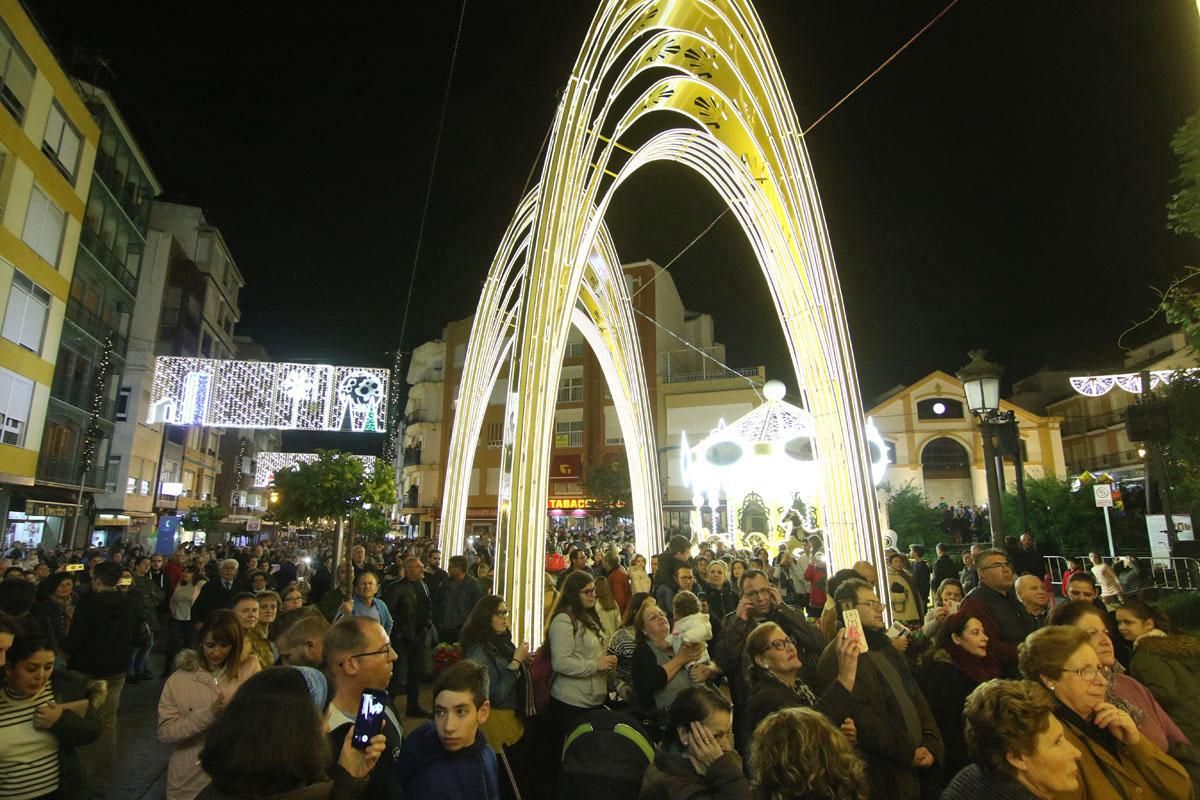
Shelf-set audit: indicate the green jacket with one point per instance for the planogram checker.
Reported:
(1169, 666)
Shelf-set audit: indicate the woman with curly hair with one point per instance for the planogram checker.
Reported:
(796, 754)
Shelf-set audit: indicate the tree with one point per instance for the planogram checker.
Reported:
(1181, 300)
(1182, 450)
(1059, 518)
(606, 481)
(371, 521)
(320, 492)
(911, 517)
(204, 518)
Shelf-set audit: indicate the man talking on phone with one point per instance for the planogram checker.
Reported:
(761, 602)
(359, 657)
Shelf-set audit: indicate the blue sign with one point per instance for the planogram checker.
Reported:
(167, 527)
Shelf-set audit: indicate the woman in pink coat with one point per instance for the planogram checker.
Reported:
(202, 685)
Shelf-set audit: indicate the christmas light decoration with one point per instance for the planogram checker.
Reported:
(1097, 385)
(264, 394)
(709, 65)
(268, 462)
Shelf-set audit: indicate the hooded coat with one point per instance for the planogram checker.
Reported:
(431, 772)
(1169, 666)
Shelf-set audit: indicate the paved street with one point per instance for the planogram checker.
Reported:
(142, 773)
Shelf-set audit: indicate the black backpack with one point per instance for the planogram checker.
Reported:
(604, 756)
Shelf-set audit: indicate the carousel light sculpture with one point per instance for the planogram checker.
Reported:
(770, 454)
(703, 71)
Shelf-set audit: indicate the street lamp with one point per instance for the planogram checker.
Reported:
(981, 384)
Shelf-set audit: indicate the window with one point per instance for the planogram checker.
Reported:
(131, 485)
(25, 319)
(123, 404)
(44, 226)
(495, 434)
(570, 390)
(574, 350)
(568, 434)
(110, 476)
(16, 397)
(16, 74)
(61, 143)
(939, 408)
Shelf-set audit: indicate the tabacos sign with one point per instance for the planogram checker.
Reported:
(570, 503)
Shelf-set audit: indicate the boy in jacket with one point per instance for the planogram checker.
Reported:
(448, 758)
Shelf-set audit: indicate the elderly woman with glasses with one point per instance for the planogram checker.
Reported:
(1117, 761)
(776, 683)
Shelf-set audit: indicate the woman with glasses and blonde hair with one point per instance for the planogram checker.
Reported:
(204, 681)
(775, 680)
(1124, 692)
(486, 640)
(1117, 761)
(796, 754)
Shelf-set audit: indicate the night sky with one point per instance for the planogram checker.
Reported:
(1001, 184)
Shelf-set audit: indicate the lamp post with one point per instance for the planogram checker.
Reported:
(981, 384)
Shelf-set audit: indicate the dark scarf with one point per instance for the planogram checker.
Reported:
(502, 645)
(975, 668)
(1089, 730)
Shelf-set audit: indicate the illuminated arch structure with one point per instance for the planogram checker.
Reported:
(708, 65)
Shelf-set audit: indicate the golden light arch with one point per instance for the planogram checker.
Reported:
(556, 266)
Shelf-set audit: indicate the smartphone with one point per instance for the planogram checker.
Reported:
(369, 721)
(124, 581)
(74, 567)
(952, 605)
(898, 631)
(854, 628)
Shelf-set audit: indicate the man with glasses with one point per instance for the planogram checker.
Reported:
(761, 602)
(897, 734)
(359, 656)
(994, 603)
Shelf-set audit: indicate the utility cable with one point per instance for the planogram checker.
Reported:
(879, 69)
(437, 146)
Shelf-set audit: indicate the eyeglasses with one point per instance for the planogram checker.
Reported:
(782, 644)
(383, 651)
(1090, 673)
(757, 593)
(875, 604)
(587, 591)
(501, 612)
(996, 564)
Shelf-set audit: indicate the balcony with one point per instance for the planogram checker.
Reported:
(711, 373)
(411, 497)
(112, 264)
(1077, 426)
(1108, 461)
(91, 324)
(54, 469)
(412, 456)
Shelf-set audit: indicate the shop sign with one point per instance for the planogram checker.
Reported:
(565, 468)
(570, 503)
(47, 509)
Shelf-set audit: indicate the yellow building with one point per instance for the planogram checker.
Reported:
(48, 145)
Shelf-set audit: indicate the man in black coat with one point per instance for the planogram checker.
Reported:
(100, 645)
(412, 615)
(219, 593)
(943, 568)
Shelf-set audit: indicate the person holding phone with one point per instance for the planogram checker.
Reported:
(359, 658)
(196, 694)
(760, 602)
(897, 734)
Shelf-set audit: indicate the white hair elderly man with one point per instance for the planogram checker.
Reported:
(1033, 595)
(219, 593)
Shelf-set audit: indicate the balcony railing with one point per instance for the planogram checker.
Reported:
(94, 326)
(108, 259)
(1123, 458)
(1097, 422)
(713, 373)
(66, 470)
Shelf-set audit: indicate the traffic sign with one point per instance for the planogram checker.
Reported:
(1103, 493)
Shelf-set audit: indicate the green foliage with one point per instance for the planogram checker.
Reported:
(1067, 521)
(379, 492)
(607, 482)
(328, 488)
(1183, 608)
(1182, 450)
(1183, 211)
(911, 517)
(203, 518)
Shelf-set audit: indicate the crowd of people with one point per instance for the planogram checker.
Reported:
(698, 672)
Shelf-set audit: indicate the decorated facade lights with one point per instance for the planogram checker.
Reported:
(1098, 385)
(269, 462)
(264, 394)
